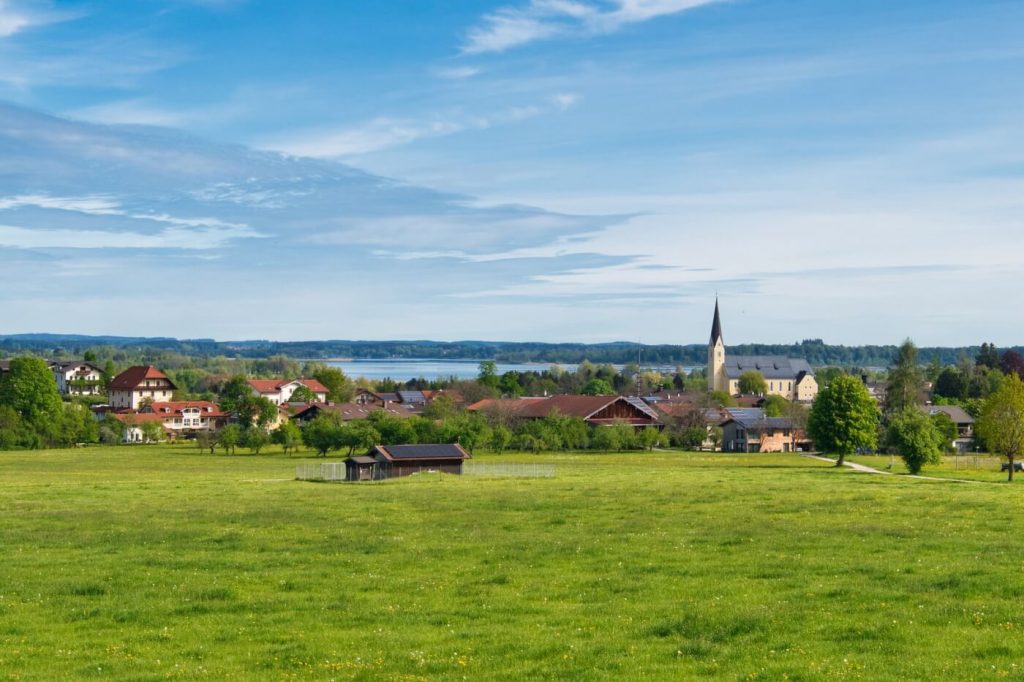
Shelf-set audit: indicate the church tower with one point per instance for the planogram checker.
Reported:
(716, 356)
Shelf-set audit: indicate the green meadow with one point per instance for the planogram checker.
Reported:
(157, 563)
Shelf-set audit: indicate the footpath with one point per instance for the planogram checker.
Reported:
(864, 469)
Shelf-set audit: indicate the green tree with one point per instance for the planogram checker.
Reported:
(906, 381)
(234, 391)
(324, 434)
(359, 435)
(598, 387)
(606, 439)
(775, 406)
(501, 438)
(650, 438)
(946, 428)
(288, 436)
(752, 383)
(914, 436)
(302, 394)
(152, 431)
(255, 439)
(30, 390)
(340, 388)
(1001, 423)
(844, 418)
(229, 437)
(254, 410)
(206, 440)
(488, 375)
(441, 407)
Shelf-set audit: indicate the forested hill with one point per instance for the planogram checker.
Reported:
(814, 351)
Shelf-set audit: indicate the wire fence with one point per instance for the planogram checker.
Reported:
(508, 470)
(324, 471)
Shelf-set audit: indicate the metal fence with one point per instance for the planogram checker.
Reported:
(508, 470)
(324, 471)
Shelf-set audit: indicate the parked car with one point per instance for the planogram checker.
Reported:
(1017, 466)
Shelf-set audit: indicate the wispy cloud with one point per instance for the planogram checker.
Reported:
(177, 232)
(457, 72)
(510, 27)
(16, 16)
(386, 132)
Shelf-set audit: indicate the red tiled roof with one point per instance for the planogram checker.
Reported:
(132, 377)
(274, 385)
(266, 385)
(313, 385)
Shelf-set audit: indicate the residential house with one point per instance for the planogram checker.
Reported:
(78, 378)
(964, 441)
(280, 391)
(129, 389)
(791, 378)
(750, 430)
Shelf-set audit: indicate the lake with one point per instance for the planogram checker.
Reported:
(405, 369)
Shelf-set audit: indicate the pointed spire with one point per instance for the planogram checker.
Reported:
(716, 326)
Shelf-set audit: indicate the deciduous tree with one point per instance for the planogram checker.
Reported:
(914, 436)
(1001, 423)
(844, 418)
(752, 383)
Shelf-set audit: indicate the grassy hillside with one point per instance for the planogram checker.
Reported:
(163, 563)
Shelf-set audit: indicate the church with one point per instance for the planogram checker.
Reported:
(791, 378)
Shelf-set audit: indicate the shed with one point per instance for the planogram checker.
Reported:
(404, 460)
(362, 468)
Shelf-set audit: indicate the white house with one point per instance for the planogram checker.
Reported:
(131, 387)
(280, 392)
(78, 378)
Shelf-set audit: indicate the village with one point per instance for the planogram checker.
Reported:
(749, 404)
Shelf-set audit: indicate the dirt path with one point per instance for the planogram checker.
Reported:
(864, 469)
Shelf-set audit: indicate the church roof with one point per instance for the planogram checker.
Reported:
(770, 366)
(716, 326)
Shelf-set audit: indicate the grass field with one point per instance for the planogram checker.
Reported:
(155, 563)
(970, 467)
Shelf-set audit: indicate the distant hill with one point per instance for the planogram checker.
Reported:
(815, 351)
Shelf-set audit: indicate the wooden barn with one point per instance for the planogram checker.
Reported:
(391, 461)
(596, 410)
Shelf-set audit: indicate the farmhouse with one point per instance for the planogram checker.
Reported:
(596, 410)
(964, 422)
(131, 387)
(393, 461)
(280, 392)
(750, 430)
(790, 378)
(78, 378)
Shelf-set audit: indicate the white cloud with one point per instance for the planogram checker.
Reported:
(16, 17)
(171, 238)
(131, 111)
(510, 27)
(177, 233)
(386, 132)
(458, 72)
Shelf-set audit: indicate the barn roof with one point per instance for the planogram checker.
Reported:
(425, 451)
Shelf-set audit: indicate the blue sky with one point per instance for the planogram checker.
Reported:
(554, 170)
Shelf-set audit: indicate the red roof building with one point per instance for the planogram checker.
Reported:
(131, 387)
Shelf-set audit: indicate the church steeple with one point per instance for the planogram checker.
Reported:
(717, 380)
(716, 327)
